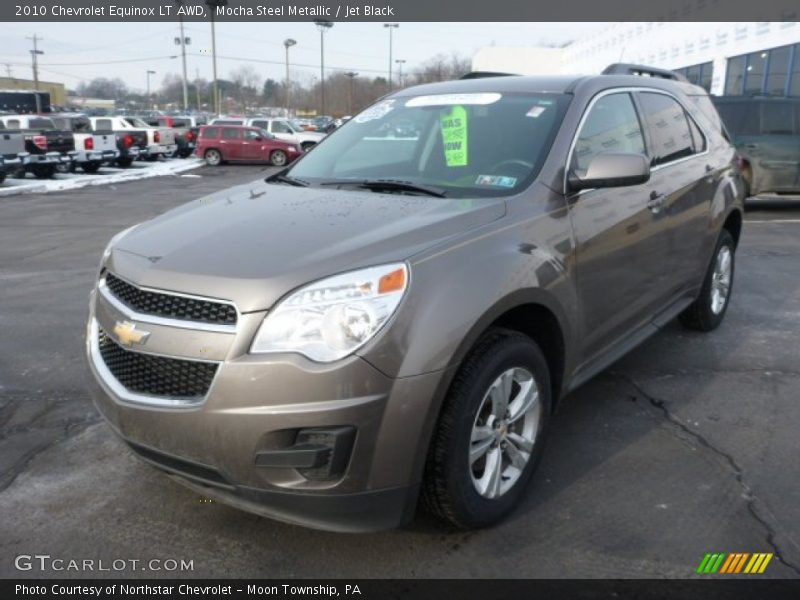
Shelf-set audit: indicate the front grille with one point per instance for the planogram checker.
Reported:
(170, 306)
(155, 375)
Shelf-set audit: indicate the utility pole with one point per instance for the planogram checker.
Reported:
(391, 27)
(288, 43)
(212, 6)
(149, 104)
(35, 58)
(8, 71)
(323, 26)
(183, 41)
(400, 62)
(197, 87)
(352, 75)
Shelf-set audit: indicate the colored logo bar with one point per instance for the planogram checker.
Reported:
(735, 562)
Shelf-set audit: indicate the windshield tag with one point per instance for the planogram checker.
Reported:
(378, 111)
(496, 180)
(454, 136)
(448, 99)
(535, 111)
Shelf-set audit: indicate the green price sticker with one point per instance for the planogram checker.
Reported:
(454, 136)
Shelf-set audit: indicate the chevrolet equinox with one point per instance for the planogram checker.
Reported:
(394, 318)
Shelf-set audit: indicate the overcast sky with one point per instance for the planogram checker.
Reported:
(77, 51)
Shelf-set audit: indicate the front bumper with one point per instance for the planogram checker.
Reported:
(259, 403)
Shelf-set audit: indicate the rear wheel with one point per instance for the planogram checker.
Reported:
(2, 176)
(124, 162)
(213, 157)
(44, 171)
(65, 168)
(708, 310)
(91, 167)
(490, 433)
(277, 158)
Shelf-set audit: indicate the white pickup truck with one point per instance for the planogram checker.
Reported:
(160, 140)
(93, 147)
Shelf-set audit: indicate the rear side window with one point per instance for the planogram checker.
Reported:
(262, 124)
(13, 124)
(41, 124)
(210, 132)
(281, 127)
(229, 133)
(611, 126)
(669, 128)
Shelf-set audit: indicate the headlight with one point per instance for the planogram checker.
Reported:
(332, 318)
(114, 240)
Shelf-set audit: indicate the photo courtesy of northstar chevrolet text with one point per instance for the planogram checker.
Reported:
(322, 299)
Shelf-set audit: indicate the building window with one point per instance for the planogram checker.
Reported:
(698, 74)
(773, 72)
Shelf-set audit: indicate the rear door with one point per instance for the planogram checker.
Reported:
(621, 264)
(682, 182)
(231, 143)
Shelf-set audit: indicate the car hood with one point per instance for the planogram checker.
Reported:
(254, 243)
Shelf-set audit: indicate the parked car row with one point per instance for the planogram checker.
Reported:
(62, 142)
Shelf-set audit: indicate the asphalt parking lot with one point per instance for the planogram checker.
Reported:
(689, 445)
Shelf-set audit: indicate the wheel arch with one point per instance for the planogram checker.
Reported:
(733, 224)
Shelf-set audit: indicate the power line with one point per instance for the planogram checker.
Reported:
(294, 64)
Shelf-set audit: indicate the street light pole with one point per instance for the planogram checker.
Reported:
(183, 57)
(391, 27)
(35, 59)
(352, 75)
(149, 72)
(212, 6)
(323, 25)
(400, 62)
(288, 43)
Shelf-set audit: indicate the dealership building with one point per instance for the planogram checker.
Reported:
(725, 58)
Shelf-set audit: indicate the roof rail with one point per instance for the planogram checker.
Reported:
(484, 74)
(643, 70)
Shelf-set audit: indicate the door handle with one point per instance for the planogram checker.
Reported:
(656, 202)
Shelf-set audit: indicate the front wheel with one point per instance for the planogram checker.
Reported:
(124, 162)
(277, 158)
(708, 310)
(490, 433)
(213, 157)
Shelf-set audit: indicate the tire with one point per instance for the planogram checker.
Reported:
(277, 158)
(124, 162)
(213, 157)
(708, 309)
(458, 489)
(91, 167)
(2, 176)
(64, 168)
(44, 171)
(306, 146)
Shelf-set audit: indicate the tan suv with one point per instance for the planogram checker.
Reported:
(392, 318)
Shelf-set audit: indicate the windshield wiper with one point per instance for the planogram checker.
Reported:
(282, 178)
(390, 185)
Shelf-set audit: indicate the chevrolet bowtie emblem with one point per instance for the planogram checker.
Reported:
(127, 335)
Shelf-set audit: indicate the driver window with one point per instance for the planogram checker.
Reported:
(252, 134)
(611, 126)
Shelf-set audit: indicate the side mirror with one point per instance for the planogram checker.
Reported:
(612, 169)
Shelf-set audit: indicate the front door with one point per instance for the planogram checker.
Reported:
(621, 266)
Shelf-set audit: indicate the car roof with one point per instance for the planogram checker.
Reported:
(557, 84)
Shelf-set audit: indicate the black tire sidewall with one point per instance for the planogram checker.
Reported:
(709, 316)
(508, 352)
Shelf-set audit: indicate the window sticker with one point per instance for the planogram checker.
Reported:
(446, 99)
(377, 111)
(496, 180)
(535, 111)
(454, 136)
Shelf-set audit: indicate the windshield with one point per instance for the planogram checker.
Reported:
(485, 144)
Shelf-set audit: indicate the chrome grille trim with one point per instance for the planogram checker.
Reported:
(119, 391)
(134, 315)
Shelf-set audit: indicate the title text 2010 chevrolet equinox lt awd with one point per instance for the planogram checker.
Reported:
(394, 317)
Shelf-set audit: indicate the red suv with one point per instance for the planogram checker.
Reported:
(220, 143)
